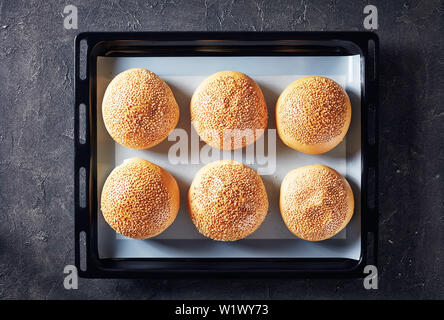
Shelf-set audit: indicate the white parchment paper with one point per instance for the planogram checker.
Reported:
(272, 239)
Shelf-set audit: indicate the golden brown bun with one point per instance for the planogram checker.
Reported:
(139, 109)
(227, 200)
(140, 199)
(229, 101)
(313, 115)
(316, 202)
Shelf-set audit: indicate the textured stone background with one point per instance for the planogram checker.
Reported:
(36, 142)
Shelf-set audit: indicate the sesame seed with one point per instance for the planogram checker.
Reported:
(139, 199)
(313, 111)
(228, 100)
(139, 109)
(227, 200)
(316, 202)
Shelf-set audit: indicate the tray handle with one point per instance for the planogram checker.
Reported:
(372, 145)
(82, 151)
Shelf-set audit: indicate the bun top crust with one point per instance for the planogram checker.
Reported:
(139, 109)
(316, 202)
(229, 100)
(140, 199)
(227, 200)
(313, 111)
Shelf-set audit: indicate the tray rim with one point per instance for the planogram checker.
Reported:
(84, 91)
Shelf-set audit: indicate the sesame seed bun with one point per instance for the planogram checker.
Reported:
(316, 202)
(140, 199)
(139, 109)
(230, 103)
(313, 115)
(227, 200)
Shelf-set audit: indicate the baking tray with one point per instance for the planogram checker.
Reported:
(184, 59)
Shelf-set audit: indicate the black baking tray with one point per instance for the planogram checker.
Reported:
(90, 45)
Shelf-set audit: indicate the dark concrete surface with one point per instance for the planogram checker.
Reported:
(36, 142)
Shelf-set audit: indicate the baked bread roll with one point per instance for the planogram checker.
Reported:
(227, 200)
(316, 202)
(139, 109)
(140, 199)
(228, 110)
(313, 115)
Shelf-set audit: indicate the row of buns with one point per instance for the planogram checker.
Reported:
(312, 114)
(227, 200)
